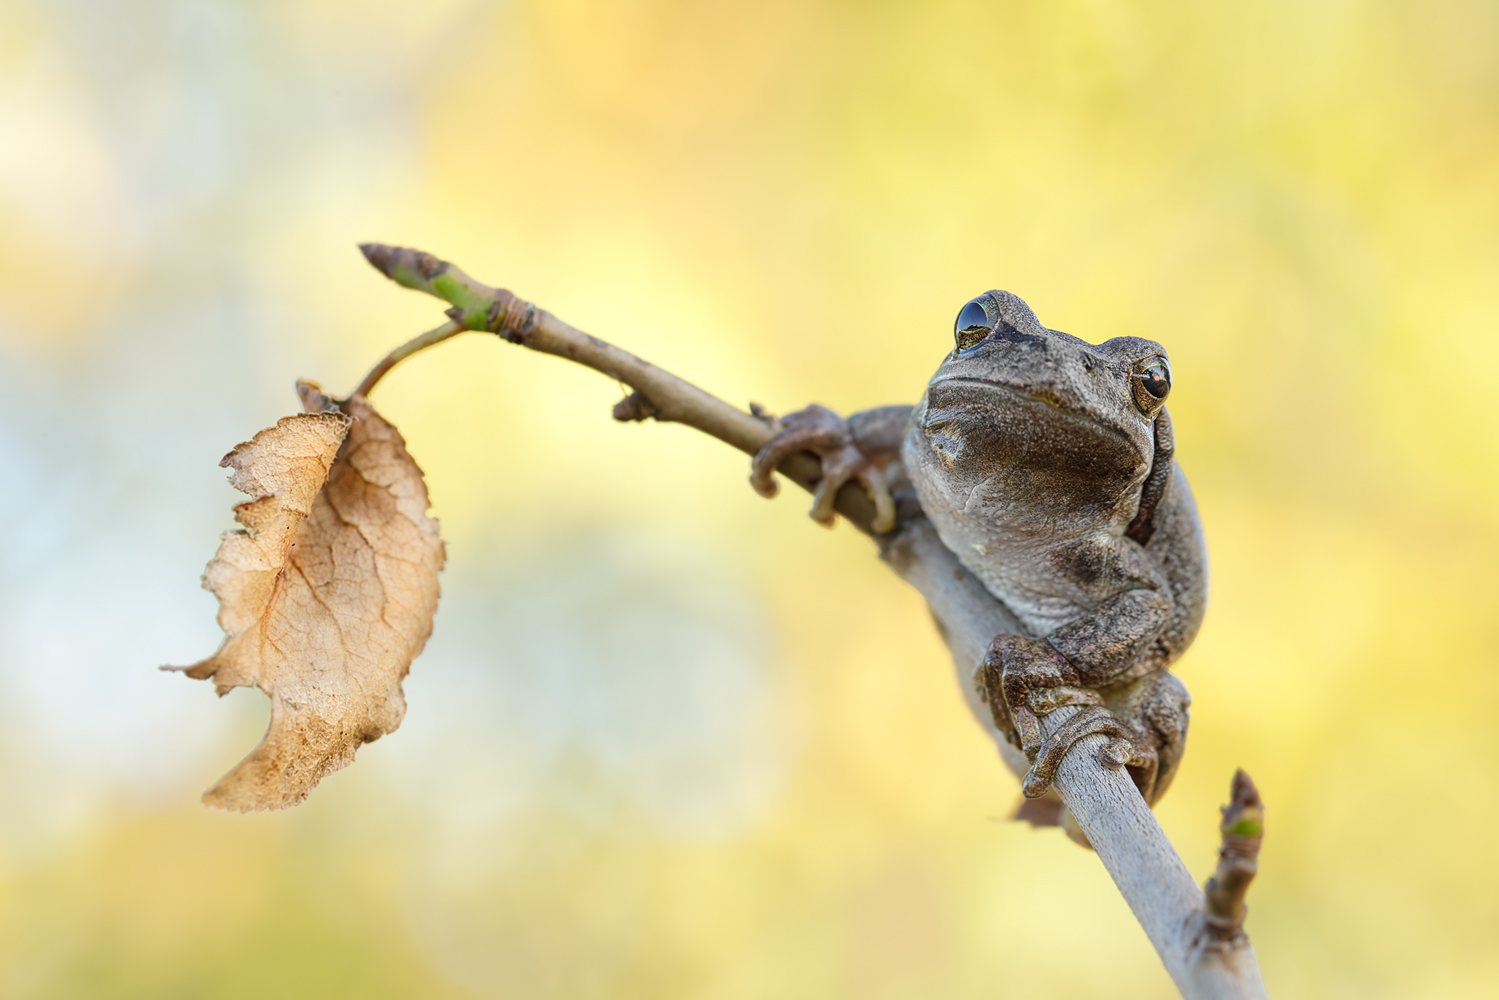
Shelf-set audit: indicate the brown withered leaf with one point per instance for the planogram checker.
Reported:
(326, 594)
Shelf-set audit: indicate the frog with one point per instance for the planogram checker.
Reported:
(1047, 466)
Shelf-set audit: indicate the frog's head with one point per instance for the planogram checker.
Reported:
(1029, 423)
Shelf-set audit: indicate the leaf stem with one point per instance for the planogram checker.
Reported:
(413, 346)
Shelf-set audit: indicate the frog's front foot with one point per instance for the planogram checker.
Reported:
(1025, 680)
(825, 434)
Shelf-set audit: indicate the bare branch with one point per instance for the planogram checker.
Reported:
(1102, 800)
(658, 393)
(1099, 795)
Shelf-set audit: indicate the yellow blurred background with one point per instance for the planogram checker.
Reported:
(670, 740)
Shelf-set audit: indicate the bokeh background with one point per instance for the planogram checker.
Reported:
(671, 740)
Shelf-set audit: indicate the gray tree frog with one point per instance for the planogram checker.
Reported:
(1047, 466)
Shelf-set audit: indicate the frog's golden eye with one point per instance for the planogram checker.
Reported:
(972, 324)
(1151, 384)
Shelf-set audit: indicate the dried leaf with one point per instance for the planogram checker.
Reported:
(326, 594)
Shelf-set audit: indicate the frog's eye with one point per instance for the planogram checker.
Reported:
(1151, 384)
(972, 325)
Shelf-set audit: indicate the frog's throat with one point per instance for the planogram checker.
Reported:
(1048, 399)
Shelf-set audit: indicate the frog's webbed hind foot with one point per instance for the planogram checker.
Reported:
(1125, 748)
(825, 434)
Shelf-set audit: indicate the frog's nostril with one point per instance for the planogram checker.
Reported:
(948, 446)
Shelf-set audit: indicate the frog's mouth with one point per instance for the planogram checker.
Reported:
(1039, 394)
(1023, 445)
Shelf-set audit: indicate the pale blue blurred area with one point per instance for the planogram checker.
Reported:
(627, 671)
(178, 140)
(583, 695)
(151, 139)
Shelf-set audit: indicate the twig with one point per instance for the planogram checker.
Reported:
(1242, 829)
(1102, 800)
